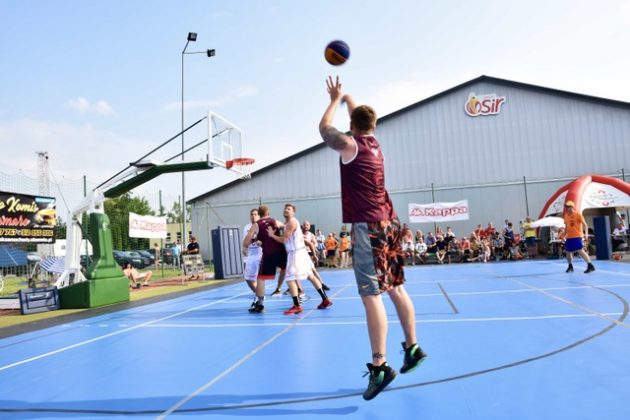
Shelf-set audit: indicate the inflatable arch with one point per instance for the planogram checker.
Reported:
(588, 192)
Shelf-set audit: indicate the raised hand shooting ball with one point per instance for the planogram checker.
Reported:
(337, 52)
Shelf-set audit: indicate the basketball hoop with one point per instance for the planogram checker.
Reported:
(244, 164)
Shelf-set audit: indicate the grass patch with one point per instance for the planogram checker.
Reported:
(16, 318)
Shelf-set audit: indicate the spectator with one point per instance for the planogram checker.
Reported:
(321, 248)
(135, 277)
(619, 236)
(430, 241)
(508, 240)
(193, 247)
(344, 250)
(485, 249)
(475, 247)
(530, 237)
(490, 231)
(421, 249)
(419, 235)
(331, 250)
(176, 250)
(156, 252)
(479, 231)
(408, 247)
(464, 249)
(497, 246)
(441, 246)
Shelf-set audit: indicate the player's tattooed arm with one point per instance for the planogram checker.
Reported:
(334, 138)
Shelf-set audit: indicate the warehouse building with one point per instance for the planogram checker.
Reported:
(504, 146)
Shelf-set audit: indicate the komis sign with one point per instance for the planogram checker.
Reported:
(489, 104)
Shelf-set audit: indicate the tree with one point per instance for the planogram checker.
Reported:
(175, 215)
(118, 209)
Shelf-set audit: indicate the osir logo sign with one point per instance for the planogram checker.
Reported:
(489, 104)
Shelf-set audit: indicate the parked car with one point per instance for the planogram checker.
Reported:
(150, 254)
(123, 257)
(146, 261)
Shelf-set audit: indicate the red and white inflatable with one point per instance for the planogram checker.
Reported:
(589, 192)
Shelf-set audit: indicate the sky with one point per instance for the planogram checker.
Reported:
(98, 84)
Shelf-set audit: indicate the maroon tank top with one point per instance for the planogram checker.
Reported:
(363, 194)
(269, 245)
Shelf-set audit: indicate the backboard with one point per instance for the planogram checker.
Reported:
(225, 142)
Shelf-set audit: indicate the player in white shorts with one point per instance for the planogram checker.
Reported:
(252, 254)
(299, 264)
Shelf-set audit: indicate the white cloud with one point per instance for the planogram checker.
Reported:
(84, 106)
(80, 104)
(103, 108)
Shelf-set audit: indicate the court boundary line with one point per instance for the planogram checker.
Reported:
(448, 299)
(114, 333)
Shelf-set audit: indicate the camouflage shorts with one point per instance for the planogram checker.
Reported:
(377, 256)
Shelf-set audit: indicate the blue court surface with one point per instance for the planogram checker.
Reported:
(517, 340)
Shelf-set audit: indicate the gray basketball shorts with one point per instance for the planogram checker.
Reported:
(377, 256)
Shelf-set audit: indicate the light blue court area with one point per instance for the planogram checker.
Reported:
(517, 340)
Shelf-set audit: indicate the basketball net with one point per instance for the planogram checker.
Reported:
(245, 164)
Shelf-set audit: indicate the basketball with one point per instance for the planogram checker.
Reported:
(337, 52)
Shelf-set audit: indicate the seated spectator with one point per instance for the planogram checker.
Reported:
(479, 231)
(454, 253)
(408, 247)
(475, 247)
(508, 240)
(464, 249)
(619, 237)
(419, 235)
(136, 277)
(450, 239)
(490, 231)
(441, 246)
(421, 250)
(485, 249)
(497, 246)
(430, 241)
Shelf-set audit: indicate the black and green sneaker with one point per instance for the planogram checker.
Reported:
(380, 377)
(413, 357)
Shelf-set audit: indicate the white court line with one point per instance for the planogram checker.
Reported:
(418, 321)
(102, 337)
(487, 292)
(237, 364)
(575, 305)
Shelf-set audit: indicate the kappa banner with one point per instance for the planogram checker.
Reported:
(147, 226)
(438, 212)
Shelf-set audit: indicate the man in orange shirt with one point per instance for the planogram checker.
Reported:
(576, 229)
(331, 250)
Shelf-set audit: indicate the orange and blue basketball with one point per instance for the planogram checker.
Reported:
(337, 52)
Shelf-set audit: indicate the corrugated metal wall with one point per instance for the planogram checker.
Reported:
(547, 138)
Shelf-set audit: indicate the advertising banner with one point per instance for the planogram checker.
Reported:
(147, 226)
(27, 218)
(438, 212)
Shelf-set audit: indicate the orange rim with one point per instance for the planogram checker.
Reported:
(239, 162)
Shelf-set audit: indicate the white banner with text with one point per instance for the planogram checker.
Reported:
(438, 212)
(147, 226)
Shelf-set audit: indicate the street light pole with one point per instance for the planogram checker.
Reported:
(192, 36)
